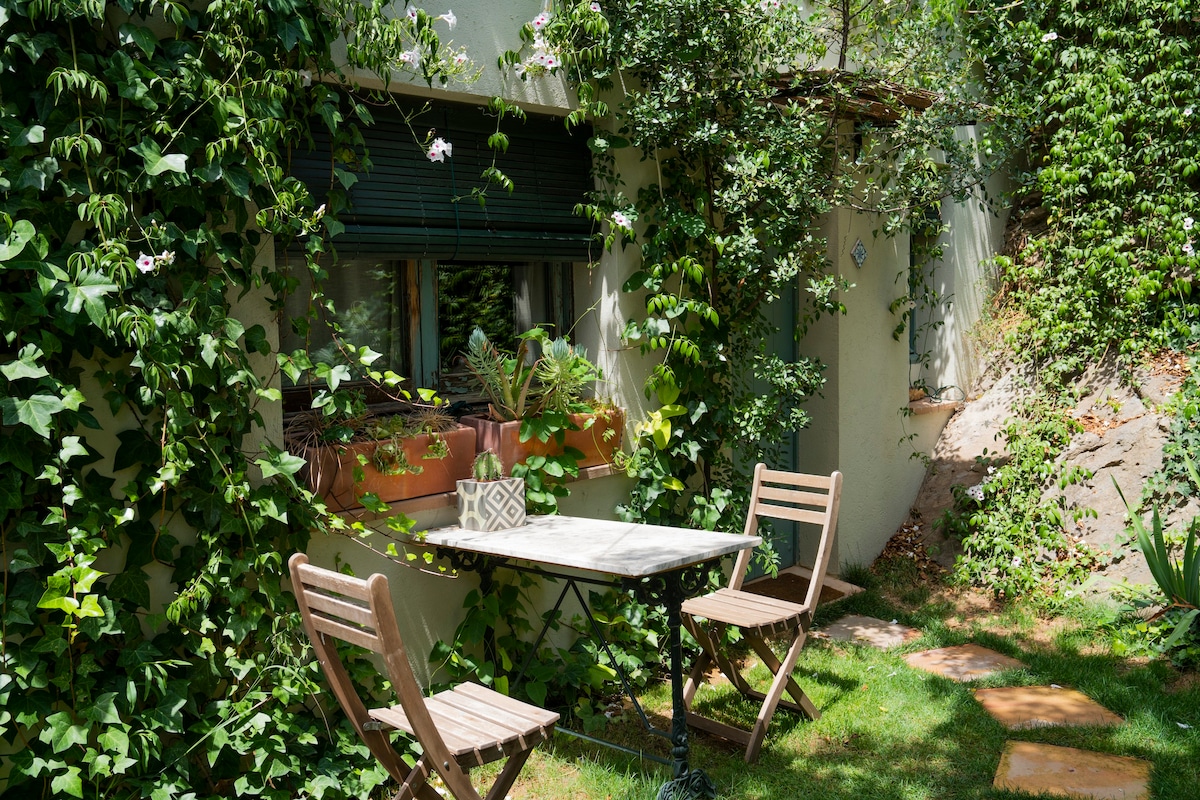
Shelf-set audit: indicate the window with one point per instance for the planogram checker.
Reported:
(418, 314)
(421, 263)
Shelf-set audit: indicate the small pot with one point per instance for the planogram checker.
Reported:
(491, 505)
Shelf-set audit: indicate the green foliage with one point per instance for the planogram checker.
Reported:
(1177, 579)
(1014, 542)
(148, 646)
(1105, 98)
(747, 163)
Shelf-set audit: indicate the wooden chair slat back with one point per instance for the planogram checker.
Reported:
(785, 495)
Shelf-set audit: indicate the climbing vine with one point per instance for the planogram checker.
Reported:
(752, 136)
(1105, 99)
(146, 646)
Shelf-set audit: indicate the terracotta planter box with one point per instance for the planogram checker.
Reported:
(504, 438)
(331, 470)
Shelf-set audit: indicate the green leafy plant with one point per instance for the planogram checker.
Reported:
(1177, 579)
(507, 380)
(1015, 541)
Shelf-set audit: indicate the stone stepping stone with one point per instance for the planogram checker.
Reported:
(1023, 707)
(869, 631)
(965, 662)
(1067, 771)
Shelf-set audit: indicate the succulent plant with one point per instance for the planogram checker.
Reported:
(487, 467)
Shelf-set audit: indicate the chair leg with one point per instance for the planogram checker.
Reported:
(802, 705)
(504, 780)
(416, 785)
(783, 674)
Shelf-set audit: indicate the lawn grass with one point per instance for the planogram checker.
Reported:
(890, 732)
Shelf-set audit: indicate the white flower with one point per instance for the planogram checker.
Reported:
(540, 21)
(305, 78)
(1016, 562)
(1050, 37)
(449, 19)
(145, 263)
(439, 150)
(166, 257)
(1188, 222)
(1187, 112)
(320, 212)
(620, 220)
(461, 59)
(411, 12)
(976, 493)
(412, 57)
(770, 5)
(1188, 250)
(595, 7)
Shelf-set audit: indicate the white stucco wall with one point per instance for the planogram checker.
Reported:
(965, 278)
(859, 425)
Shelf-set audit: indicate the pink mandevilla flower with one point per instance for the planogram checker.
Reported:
(620, 220)
(595, 7)
(540, 21)
(145, 263)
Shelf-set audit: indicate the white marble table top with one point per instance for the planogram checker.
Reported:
(625, 549)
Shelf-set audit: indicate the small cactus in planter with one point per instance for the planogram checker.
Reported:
(487, 467)
(489, 501)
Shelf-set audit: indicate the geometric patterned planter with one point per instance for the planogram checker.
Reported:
(491, 505)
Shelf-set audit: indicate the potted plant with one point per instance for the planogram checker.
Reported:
(351, 452)
(489, 501)
(536, 405)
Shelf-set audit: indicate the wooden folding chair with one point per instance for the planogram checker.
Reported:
(460, 728)
(808, 499)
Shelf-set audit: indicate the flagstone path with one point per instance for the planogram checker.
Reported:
(1024, 766)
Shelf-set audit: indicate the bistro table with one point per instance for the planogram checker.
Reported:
(662, 565)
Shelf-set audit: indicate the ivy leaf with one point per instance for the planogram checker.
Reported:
(21, 234)
(62, 733)
(104, 710)
(282, 464)
(34, 134)
(37, 412)
(26, 365)
(68, 783)
(87, 294)
(176, 162)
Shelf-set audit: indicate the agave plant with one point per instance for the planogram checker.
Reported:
(507, 380)
(1179, 580)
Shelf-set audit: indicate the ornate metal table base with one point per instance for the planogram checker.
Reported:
(668, 589)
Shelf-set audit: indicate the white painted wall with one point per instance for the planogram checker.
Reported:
(859, 425)
(965, 277)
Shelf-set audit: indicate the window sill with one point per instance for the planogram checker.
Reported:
(434, 502)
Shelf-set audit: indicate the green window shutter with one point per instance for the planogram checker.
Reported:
(410, 207)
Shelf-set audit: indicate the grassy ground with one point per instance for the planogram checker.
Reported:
(889, 732)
